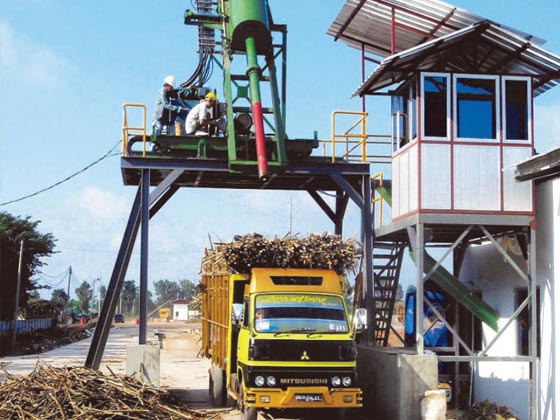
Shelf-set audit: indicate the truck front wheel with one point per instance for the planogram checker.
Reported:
(246, 413)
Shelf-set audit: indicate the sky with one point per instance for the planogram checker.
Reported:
(66, 68)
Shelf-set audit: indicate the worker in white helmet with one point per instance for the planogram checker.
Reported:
(201, 116)
(167, 107)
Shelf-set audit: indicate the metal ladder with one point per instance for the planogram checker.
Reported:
(387, 260)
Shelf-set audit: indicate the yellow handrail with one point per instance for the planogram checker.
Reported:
(139, 130)
(378, 199)
(354, 141)
(347, 135)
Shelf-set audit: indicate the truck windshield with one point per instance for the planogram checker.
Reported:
(303, 313)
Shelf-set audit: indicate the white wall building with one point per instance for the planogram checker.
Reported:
(545, 170)
(180, 310)
(485, 270)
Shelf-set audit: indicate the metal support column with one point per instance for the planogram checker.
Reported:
(144, 240)
(161, 194)
(534, 383)
(363, 201)
(368, 238)
(340, 210)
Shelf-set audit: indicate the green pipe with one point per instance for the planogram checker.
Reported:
(253, 71)
(460, 292)
(385, 194)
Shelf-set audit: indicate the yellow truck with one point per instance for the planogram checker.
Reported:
(164, 313)
(279, 338)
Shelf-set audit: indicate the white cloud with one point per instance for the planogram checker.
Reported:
(22, 59)
(102, 205)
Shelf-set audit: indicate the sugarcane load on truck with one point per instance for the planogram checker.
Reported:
(276, 325)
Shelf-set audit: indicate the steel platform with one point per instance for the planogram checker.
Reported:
(446, 228)
(312, 174)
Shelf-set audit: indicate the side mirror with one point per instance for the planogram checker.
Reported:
(360, 320)
(237, 314)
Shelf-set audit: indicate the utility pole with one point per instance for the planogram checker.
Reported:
(99, 296)
(68, 301)
(290, 225)
(16, 307)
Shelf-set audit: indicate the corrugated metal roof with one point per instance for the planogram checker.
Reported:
(479, 48)
(433, 35)
(369, 22)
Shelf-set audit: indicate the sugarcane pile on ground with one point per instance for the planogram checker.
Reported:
(486, 410)
(326, 251)
(86, 394)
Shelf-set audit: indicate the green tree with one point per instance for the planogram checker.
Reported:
(188, 289)
(102, 293)
(166, 290)
(59, 295)
(84, 294)
(36, 245)
(74, 305)
(128, 294)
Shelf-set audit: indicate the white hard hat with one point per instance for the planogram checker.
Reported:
(169, 80)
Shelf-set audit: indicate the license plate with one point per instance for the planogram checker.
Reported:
(309, 397)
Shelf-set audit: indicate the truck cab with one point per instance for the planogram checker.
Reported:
(290, 343)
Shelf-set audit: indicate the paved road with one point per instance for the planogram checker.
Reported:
(179, 350)
(181, 371)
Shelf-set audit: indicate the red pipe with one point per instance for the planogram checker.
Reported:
(262, 163)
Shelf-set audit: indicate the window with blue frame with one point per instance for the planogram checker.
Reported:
(476, 116)
(516, 110)
(435, 105)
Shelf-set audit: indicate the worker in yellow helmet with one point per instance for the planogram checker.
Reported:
(203, 115)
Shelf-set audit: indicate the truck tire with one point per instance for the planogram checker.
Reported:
(217, 386)
(249, 413)
(246, 413)
(211, 389)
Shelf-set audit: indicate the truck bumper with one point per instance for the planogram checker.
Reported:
(303, 397)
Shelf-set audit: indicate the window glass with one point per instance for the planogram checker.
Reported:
(517, 110)
(412, 111)
(403, 112)
(476, 108)
(397, 120)
(297, 312)
(435, 106)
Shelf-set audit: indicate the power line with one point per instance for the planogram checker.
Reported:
(56, 275)
(106, 155)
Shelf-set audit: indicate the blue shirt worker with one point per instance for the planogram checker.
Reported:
(166, 108)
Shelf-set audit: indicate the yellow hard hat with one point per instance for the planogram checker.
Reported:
(210, 95)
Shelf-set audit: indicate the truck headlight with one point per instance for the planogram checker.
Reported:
(271, 381)
(347, 381)
(259, 381)
(335, 381)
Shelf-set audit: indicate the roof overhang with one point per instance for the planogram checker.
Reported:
(386, 27)
(540, 167)
(481, 48)
(430, 35)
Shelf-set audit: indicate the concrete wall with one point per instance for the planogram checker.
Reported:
(548, 275)
(394, 382)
